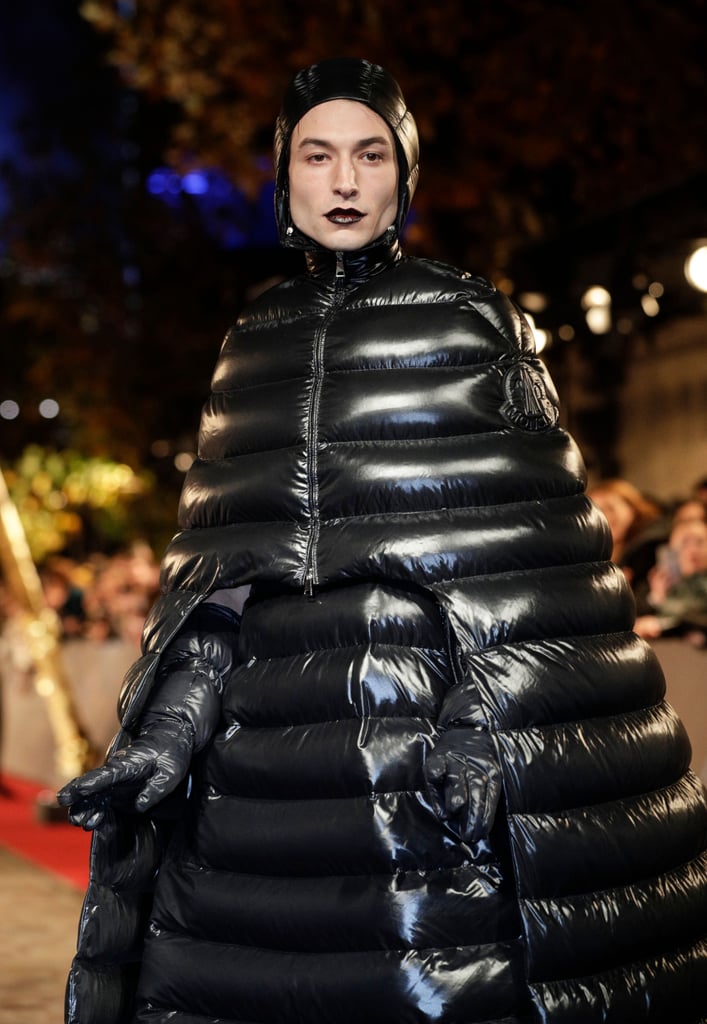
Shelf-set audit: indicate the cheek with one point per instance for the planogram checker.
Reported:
(299, 202)
(394, 192)
(389, 201)
(298, 185)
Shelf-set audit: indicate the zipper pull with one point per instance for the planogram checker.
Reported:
(340, 271)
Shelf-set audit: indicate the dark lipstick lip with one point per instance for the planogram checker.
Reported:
(340, 211)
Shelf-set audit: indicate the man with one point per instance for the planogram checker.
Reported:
(434, 778)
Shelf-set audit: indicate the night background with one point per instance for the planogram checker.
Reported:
(563, 146)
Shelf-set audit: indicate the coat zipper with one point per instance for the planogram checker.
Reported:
(311, 575)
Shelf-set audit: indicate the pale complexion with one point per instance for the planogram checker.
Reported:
(343, 175)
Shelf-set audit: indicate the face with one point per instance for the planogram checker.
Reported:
(618, 512)
(343, 175)
(688, 511)
(689, 541)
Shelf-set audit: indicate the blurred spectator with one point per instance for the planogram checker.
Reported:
(64, 595)
(637, 527)
(124, 588)
(101, 606)
(693, 508)
(678, 586)
(106, 597)
(699, 491)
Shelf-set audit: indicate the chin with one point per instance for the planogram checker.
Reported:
(347, 242)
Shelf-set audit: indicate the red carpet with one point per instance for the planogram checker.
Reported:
(57, 847)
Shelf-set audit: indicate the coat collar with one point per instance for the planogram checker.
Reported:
(357, 266)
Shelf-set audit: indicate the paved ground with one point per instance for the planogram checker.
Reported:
(38, 919)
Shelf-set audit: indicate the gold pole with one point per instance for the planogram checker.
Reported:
(42, 631)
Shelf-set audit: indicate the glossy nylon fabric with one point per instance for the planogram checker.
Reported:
(313, 882)
(414, 474)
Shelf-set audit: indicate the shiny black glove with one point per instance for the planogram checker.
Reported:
(178, 721)
(463, 781)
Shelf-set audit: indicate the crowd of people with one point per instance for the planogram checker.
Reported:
(105, 597)
(662, 551)
(102, 597)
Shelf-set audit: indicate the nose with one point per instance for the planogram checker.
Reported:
(345, 184)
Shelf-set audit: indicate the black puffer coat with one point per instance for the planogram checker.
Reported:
(380, 458)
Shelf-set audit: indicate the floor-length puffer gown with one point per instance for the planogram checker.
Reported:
(315, 883)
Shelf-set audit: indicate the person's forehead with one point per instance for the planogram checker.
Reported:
(689, 532)
(337, 120)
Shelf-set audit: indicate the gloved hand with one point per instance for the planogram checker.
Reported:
(463, 781)
(178, 721)
(139, 775)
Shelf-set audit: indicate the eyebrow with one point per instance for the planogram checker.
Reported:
(374, 140)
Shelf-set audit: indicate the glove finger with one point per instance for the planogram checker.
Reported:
(438, 804)
(168, 773)
(483, 799)
(158, 787)
(456, 791)
(117, 771)
(434, 787)
(69, 794)
(86, 785)
(435, 768)
(86, 814)
(492, 796)
(474, 824)
(93, 820)
(463, 797)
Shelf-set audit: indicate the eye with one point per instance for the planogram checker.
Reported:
(317, 158)
(372, 157)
